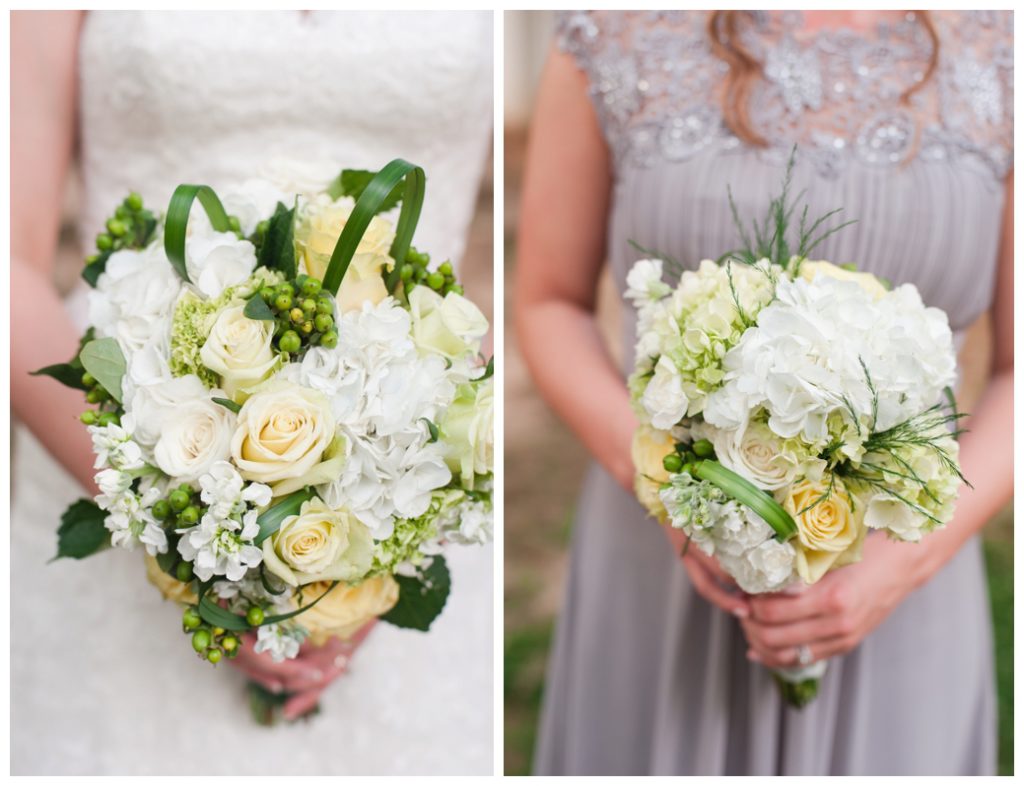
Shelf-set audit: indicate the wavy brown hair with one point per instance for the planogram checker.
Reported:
(744, 69)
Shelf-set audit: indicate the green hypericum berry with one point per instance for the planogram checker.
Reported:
(92, 259)
(116, 228)
(262, 227)
(435, 281)
(88, 379)
(324, 306)
(406, 272)
(107, 418)
(290, 342)
(161, 508)
(104, 242)
(255, 616)
(445, 269)
(703, 448)
(179, 500)
(329, 339)
(229, 643)
(285, 288)
(122, 213)
(297, 315)
(311, 286)
(234, 224)
(309, 306)
(200, 640)
(458, 290)
(88, 417)
(283, 302)
(306, 328)
(323, 322)
(268, 294)
(214, 655)
(673, 462)
(94, 396)
(190, 515)
(133, 201)
(191, 619)
(184, 571)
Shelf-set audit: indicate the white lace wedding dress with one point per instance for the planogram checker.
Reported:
(102, 680)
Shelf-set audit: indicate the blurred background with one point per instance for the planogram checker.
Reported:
(544, 464)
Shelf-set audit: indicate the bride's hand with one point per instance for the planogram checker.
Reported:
(834, 615)
(711, 582)
(305, 676)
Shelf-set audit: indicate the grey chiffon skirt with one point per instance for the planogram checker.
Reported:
(647, 678)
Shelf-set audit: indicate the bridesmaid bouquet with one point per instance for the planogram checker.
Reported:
(289, 410)
(787, 408)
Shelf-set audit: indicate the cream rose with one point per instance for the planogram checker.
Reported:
(194, 438)
(344, 610)
(239, 350)
(754, 452)
(283, 432)
(319, 544)
(451, 325)
(169, 587)
(468, 429)
(810, 270)
(829, 532)
(320, 224)
(650, 446)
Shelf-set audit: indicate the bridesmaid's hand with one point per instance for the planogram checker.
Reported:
(305, 676)
(711, 582)
(834, 615)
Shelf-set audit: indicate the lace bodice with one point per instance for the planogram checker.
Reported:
(658, 88)
(219, 97)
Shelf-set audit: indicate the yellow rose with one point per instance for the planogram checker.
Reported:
(319, 544)
(286, 433)
(345, 609)
(809, 270)
(320, 224)
(829, 532)
(650, 446)
(169, 587)
(239, 350)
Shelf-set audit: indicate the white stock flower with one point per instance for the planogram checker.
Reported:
(114, 446)
(280, 642)
(195, 436)
(239, 350)
(129, 515)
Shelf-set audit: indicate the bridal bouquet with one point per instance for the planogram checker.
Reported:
(289, 413)
(787, 408)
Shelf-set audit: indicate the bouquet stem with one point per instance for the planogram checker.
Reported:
(797, 694)
(268, 708)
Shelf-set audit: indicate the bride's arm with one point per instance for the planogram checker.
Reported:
(44, 51)
(561, 249)
(835, 615)
(560, 252)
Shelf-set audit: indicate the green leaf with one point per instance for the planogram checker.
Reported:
(278, 249)
(168, 560)
(91, 273)
(289, 614)
(489, 371)
(256, 308)
(219, 617)
(373, 196)
(176, 223)
(81, 530)
(746, 493)
(228, 403)
(103, 358)
(270, 520)
(353, 182)
(65, 373)
(421, 598)
(435, 432)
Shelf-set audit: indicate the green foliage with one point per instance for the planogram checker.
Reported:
(422, 597)
(256, 308)
(67, 374)
(81, 530)
(353, 182)
(228, 404)
(277, 251)
(176, 223)
(999, 560)
(102, 357)
(271, 519)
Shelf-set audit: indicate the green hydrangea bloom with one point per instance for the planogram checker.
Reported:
(409, 535)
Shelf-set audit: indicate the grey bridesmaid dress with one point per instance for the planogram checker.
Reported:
(645, 676)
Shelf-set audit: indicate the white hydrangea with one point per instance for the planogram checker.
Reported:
(282, 643)
(471, 523)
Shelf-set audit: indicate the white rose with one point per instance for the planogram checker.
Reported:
(239, 349)
(468, 432)
(319, 544)
(157, 401)
(756, 453)
(282, 432)
(134, 298)
(194, 437)
(452, 326)
(218, 260)
(664, 399)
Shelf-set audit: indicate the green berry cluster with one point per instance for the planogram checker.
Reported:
(416, 271)
(211, 643)
(304, 314)
(129, 227)
(685, 456)
(107, 409)
(181, 508)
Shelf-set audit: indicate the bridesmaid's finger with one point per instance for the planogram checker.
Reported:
(301, 703)
(786, 637)
(779, 608)
(708, 588)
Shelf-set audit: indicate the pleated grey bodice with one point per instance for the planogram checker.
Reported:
(646, 677)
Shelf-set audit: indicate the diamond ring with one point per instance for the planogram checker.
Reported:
(340, 661)
(803, 655)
